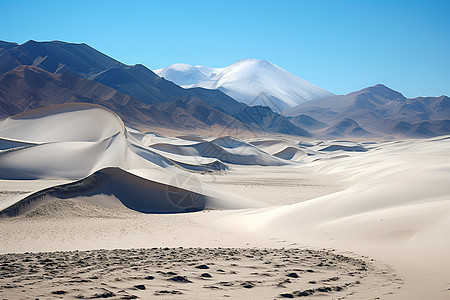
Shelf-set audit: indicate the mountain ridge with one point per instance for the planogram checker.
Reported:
(245, 80)
(45, 73)
(28, 87)
(379, 109)
(84, 61)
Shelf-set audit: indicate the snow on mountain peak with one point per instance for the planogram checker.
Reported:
(183, 74)
(251, 81)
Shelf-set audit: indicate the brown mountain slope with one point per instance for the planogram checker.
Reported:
(27, 87)
(83, 61)
(137, 81)
(381, 110)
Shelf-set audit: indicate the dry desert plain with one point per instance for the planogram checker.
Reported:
(93, 209)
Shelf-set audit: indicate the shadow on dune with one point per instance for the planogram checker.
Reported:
(134, 192)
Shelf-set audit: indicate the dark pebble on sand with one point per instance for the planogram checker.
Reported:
(287, 295)
(206, 275)
(59, 292)
(334, 278)
(180, 279)
(303, 293)
(106, 294)
(324, 289)
(248, 284)
(165, 292)
(140, 287)
(292, 275)
(203, 267)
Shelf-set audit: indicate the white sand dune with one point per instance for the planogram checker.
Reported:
(397, 208)
(66, 141)
(132, 191)
(290, 153)
(60, 123)
(6, 144)
(280, 148)
(225, 149)
(387, 200)
(70, 160)
(397, 174)
(73, 141)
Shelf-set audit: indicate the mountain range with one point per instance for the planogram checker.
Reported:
(376, 111)
(37, 74)
(250, 81)
(250, 96)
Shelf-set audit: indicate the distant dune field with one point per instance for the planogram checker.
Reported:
(267, 216)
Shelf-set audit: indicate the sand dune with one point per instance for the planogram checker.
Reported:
(280, 148)
(227, 151)
(132, 191)
(6, 144)
(75, 140)
(397, 207)
(57, 123)
(290, 153)
(65, 141)
(386, 200)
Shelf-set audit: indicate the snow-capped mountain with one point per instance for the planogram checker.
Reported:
(252, 81)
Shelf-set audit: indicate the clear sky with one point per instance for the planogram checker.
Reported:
(339, 45)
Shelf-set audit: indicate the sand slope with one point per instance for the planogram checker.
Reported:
(74, 141)
(132, 191)
(387, 200)
(396, 208)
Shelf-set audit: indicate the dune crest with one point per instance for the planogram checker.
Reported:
(132, 191)
(56, 123)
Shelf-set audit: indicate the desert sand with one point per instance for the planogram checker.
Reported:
(374, 215)
(187, 273)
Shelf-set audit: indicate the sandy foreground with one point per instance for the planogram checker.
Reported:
(284, 218)
(257, 257)
(188, 273)
(180, 256)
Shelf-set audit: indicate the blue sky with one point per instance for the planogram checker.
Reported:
(341, 46)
